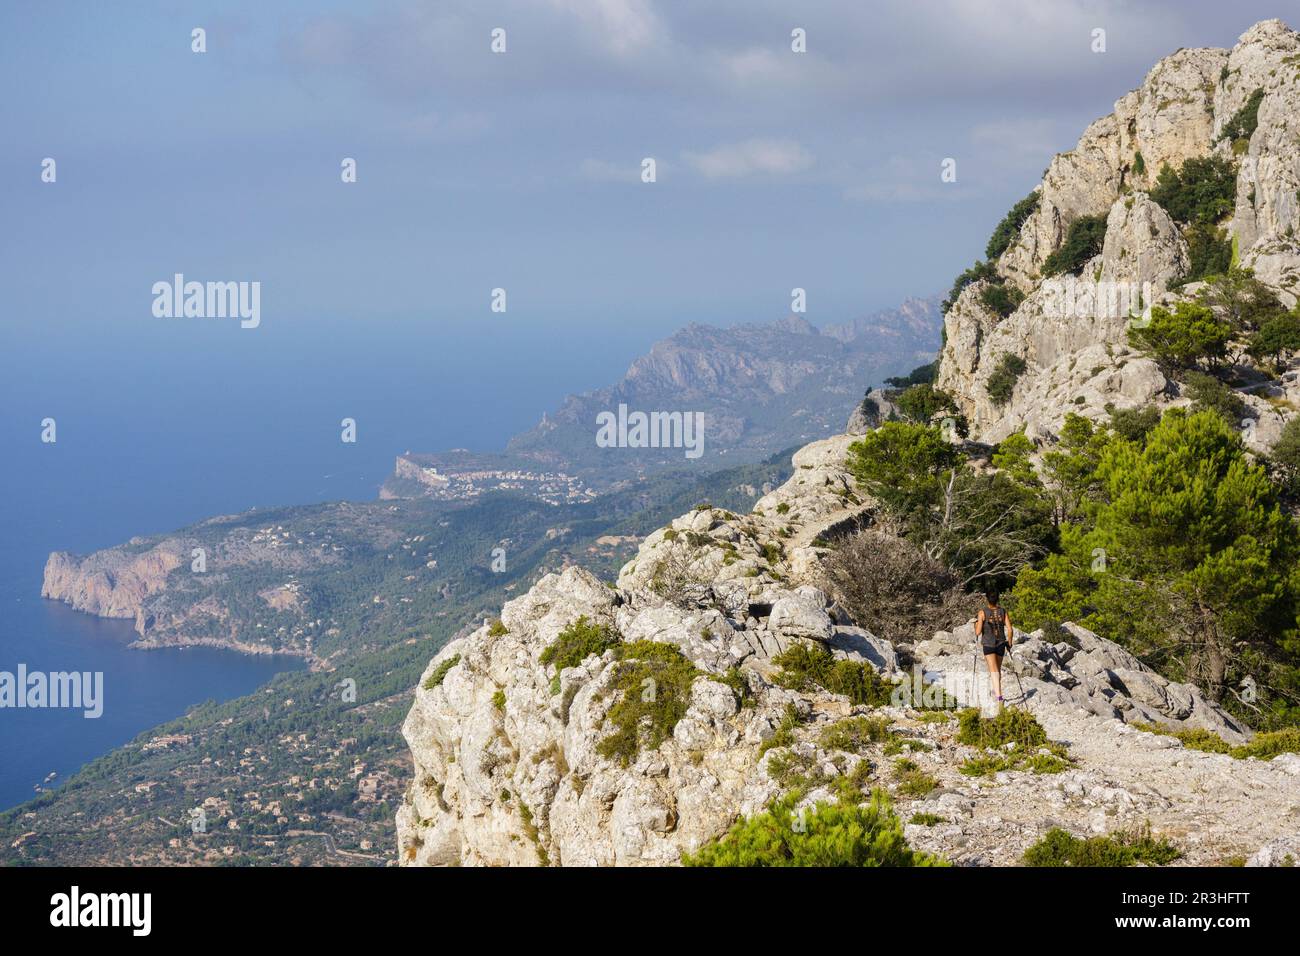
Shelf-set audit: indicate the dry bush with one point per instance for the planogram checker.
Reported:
(892, 588)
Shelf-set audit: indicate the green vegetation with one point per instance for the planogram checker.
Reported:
(1083, 240)
(1059, 848)
(1001, 299)
(1002, 380)
(1188, 337)
(807, 666)
(981, 525)
(852, 734)
(435, 679)
(575, 644)
(499, 699)
(839, 834)
(1013, 740)
(911, 780)
(980, 271)
(1276, 338)
(653, 681)
(1006, 231)
(921, 375)
(1244, 122)
(497, 628)
(1264, 746)
(1209, 394)
(927, 819)
(922, 403)
(1178, 549)
(1202, 190)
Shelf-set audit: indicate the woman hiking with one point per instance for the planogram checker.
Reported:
(996, 635)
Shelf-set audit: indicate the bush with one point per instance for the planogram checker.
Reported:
(1083, 240)
(440, 672)
(1209, 253)
(1005, 375)
(806, 667)
(654, 683)
(497, 628)
(1209, 394)
(839, 834)
(1001, 299)
(921, 403)
(853, 733)
(1183, 338)
(1244, 122)
(1014, 741)
(1202, 190)
(1007, 230)
(1276, 338)
(1284, 458)
(575, 644)
(1133, 424)
(1241, 300)
(921, 375)
(892, 588)
(979, 271)
(1059, 848)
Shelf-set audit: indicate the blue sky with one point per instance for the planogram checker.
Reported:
(520, 170)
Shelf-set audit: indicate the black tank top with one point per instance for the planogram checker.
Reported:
(995, 626)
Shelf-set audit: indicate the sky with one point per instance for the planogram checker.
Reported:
(521, 170)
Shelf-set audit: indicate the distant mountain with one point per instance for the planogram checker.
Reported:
(757, 388)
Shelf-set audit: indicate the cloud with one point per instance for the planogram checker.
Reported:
(619, 26)
(604, 171)
(753, 157)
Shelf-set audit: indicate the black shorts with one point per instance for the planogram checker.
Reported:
(998, 649)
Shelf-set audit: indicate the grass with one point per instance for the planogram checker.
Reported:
(653, 681)
(854, 733)
(575, 644)
(1264, 746)
(911, 780)
(927, 819)
(1013, 740)
(734, 679)
(1059, 848)
(435, 679)
(806, 667)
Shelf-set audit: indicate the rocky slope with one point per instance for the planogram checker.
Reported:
(1077, 355)
(507, 753)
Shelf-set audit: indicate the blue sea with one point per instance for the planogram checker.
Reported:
(163, 423)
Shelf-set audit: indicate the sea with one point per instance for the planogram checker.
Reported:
(159, 425)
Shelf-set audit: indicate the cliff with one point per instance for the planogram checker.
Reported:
(513, 765)
(1075, 345)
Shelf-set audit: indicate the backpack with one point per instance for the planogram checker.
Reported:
(994, 633)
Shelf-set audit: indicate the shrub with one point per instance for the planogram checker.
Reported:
(435, 679)
(1284, 457)
(1268, 745)
(979, 271)
(1013, 740)
(1209, 394)
(921, 403)
(735, 679)
(853, 733)
(1183, 338)
(921, 375)
(1276, 338)
(1241, 300)
(839, 834)
(497, 628)
(893, 588)
(1001, 299)
(1006, 373)
(1133, 424)
(1059, 848)
(806, 667)
(499, 699)
(1202, 190)
(1245, 120)
(575, 644)
(1083, 240)
(1006, 231)
(653, 681)
(911, 780)
(1209, 253)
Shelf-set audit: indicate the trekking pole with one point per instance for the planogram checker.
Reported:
(1019, 686)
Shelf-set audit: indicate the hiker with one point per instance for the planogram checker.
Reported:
(995, 633)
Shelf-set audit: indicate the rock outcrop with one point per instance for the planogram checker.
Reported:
(509, 768)
(1071, 332)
